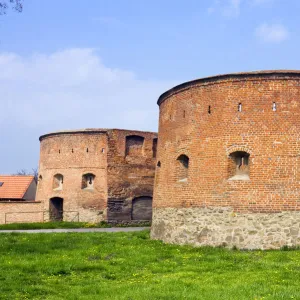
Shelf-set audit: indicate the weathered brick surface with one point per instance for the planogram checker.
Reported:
(73, 154)
(200, 119)
(130, 176)
(21, 212)
(101, 152)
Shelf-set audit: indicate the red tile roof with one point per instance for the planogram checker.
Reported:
(15, 186)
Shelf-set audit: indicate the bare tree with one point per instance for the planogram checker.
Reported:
(34, 172)
(16, 5)
(22, 172)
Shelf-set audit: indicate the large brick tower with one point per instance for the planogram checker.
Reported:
(228, 163)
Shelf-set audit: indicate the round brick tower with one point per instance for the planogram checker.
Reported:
(228, 161)
(72, 180)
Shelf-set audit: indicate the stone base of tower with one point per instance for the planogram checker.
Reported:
(213, 226)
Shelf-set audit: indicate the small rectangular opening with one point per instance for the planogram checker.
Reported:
(240, 107)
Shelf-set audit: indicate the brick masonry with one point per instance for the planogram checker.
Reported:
(21, 212)
(210, 120)
(119, 179)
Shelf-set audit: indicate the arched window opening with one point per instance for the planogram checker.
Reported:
(87, 149)
(157, 171)
(274, 108)
(58, 181)
(103, 150)
(154, 147)
(239, 165)
(209, 110)
(59, 151)
(88, 181)
(134, 145)
(40, 178)
(182, 168)
(240, 107)
(72, 150)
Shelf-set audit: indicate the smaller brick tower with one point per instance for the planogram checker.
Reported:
(92, 175)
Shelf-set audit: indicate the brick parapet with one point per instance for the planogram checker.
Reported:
(242, 76)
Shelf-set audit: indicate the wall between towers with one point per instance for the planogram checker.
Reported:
(131, 168)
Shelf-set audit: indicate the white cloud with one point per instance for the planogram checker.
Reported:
(74, 89)
(110, 21)
(233, 8)
(259, 2)
(68, 89)
(211, 10)
(273, 33)
(215, 6)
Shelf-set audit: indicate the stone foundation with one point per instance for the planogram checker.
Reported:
(223, 227)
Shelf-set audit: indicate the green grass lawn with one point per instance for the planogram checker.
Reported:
(131, 266)
(56, 225)
(51, 225)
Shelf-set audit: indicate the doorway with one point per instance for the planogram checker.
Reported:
(56, 209)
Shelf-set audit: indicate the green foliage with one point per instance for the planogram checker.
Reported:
(131, 266)
(140, 224)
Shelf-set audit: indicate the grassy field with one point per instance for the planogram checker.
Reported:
(56, 225)
(130, 266)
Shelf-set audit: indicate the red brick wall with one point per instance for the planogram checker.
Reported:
(67, 154)
(21, 212)
(129, 176)
(119, 178)
(272, 138)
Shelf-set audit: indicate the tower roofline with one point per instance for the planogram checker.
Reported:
(241, 75)
(89, 131)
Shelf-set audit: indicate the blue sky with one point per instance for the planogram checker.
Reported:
(82, 64)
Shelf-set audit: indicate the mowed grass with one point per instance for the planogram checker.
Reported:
(57, 225)
(131, 266)
(52, 225)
